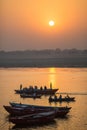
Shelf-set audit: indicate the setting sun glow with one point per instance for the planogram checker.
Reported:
(51, 23)
(43, 24)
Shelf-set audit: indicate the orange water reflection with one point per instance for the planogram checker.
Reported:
(66, 79)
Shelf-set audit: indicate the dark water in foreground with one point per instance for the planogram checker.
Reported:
(68, 80)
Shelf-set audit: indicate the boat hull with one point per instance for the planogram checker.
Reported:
(13, 111)
(13, 104)
(38, 91)
(40, 118)
(18, 111)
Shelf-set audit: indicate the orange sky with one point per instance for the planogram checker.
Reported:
(24, 24)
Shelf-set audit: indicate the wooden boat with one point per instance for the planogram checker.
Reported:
(17, 111)
(24, 95)
(32, 119)
(41, 90)
(14, 104)
(61, 113)
(63, 99)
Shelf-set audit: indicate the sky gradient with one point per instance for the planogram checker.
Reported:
(24, 24)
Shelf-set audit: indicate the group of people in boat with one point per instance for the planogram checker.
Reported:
(34, 88)
(60, 96)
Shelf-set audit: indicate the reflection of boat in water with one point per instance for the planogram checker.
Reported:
(35, 89)
(32, 119)
(50, 124)
(61, 99)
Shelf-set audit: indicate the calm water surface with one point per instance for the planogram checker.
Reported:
(68, 80)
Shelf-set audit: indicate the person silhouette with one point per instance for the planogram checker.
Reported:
(60, 96)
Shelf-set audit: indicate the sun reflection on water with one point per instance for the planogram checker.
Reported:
(52, 77)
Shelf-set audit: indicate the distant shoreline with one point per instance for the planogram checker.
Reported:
(44, 58)
(45, 67)
(45, 63)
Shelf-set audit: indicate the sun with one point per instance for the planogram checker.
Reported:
(51, 23)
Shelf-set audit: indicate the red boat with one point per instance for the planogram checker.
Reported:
(32, 119)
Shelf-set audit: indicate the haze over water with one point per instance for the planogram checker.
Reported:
(68, 80)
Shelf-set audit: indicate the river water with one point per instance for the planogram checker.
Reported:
(69, 80)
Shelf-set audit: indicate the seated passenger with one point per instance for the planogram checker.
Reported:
(41, 87)
(35, 87)
(31, 87)
(60, 96)
(45, 87)
(55, 97)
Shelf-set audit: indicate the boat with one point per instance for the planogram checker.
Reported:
(15, 104)
(60, 111)
(38, 91)
(42, 90)
(19, 111)
(61, 99)
(32, 119)
(24, 95)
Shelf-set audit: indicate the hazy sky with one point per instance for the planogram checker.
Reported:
(24, 24)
